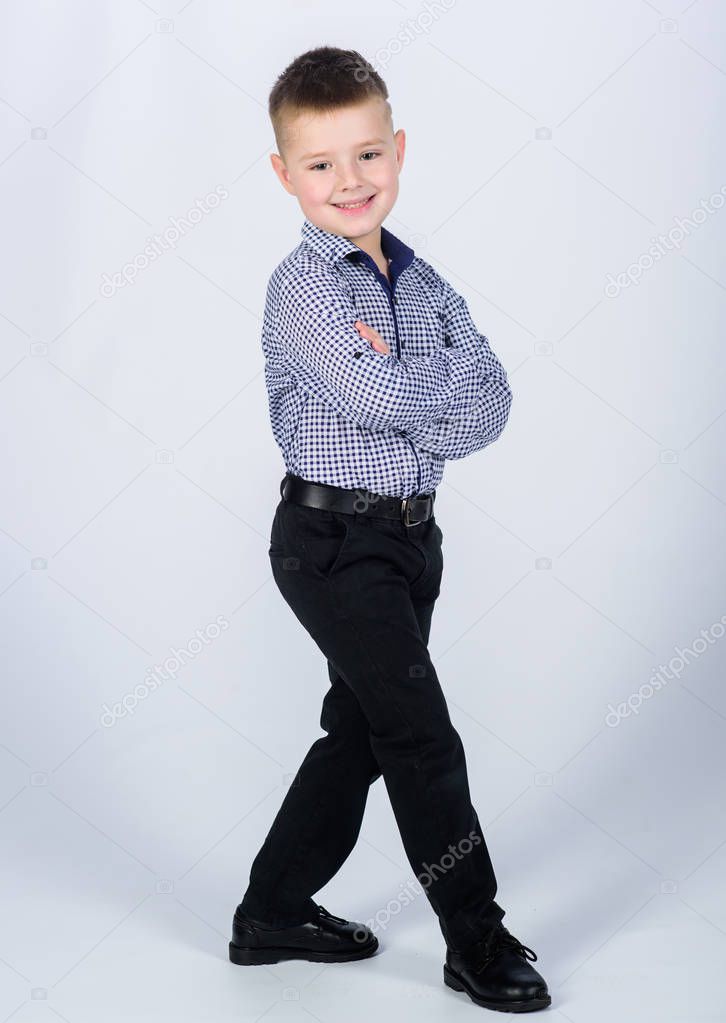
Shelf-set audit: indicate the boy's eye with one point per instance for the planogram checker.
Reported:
(325, 162)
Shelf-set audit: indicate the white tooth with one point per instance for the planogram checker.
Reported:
(352, 205)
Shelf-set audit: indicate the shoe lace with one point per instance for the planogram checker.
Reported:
(500, 941)
(323, 912)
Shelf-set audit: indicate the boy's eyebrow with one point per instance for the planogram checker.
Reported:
(369, 142)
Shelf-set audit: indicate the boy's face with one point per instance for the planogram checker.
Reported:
(342, 157)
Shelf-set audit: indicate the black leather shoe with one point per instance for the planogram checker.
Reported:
(327, 939)
(495, 973)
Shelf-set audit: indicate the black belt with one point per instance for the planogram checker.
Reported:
(410, 510)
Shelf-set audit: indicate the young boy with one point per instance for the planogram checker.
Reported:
(376, 375)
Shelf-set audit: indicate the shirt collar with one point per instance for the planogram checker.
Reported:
(334, 247)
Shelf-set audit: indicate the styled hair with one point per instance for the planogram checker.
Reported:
(321, 81)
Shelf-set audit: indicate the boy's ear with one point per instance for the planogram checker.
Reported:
(400, 140)
(281, 170)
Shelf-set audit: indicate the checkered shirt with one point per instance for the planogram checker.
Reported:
(343, 413)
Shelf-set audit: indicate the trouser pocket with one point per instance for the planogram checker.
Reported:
(308, 539)
(321, 536)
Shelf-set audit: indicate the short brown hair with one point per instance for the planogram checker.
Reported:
(320, 81)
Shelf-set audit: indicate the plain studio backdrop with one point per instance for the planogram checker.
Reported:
(565, 171)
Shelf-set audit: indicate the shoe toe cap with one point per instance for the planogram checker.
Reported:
(361, 936)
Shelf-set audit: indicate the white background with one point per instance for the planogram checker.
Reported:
(547, 145)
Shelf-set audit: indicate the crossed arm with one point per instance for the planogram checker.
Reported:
(450, 403)
(468, 430)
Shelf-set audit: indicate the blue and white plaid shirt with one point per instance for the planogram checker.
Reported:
(345, 414)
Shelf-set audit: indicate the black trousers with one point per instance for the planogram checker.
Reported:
(364, 588)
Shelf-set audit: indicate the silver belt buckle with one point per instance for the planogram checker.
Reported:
(404, 513)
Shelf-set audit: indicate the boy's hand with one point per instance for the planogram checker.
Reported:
(371, 335)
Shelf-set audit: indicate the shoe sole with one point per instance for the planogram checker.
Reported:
(242, 956)
(528, 1005)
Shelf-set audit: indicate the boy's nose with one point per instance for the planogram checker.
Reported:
(349, 181)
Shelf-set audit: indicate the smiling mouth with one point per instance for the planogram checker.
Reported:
(354, 206)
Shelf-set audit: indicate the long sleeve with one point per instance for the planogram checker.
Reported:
(472, 428)
(468, 431)
(315, 327)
